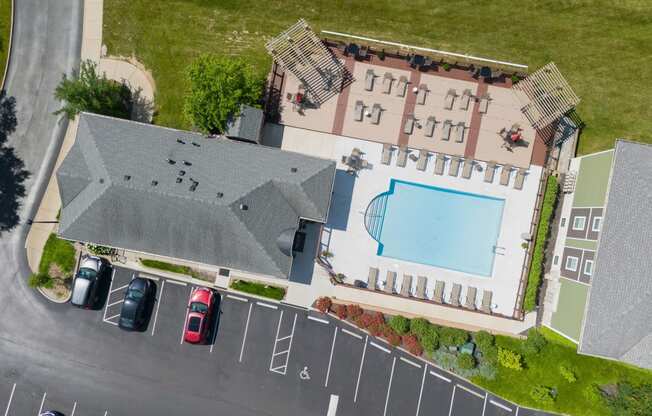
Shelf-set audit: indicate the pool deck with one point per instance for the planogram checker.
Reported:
(353, 249)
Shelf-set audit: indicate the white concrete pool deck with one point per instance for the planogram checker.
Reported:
(353, 249)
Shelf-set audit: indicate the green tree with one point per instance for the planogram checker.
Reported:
(452, 336)
(484, 340)
(88, 91)
(631, 400)
(542, 394)
(218, 86)
(534, 343)
(400, 324)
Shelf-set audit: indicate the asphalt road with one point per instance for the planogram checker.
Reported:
(78, 361)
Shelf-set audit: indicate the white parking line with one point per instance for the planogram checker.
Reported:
(450, 409)
(423, 380)
(106, 413)
(412, 363)
(267, 305)
(118, 288)
(74, 407)
(448, 380)
(11, 397)
(323, 321)
(357, 384)
(332, 405)
(40, 409)
(284, 366)
(517, 409)
(183, 328)
(380, 347)
(484, 406)
(115, 303)
(176, 282)
(475, 393)
(330, 359)
(110, 286)
(149, 276)
(389, 386)
(237, 298)
(158, 305)
(244, 337)
(353, 334)
(111, 317)
(502, 406)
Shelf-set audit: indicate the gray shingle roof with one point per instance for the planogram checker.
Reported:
(247, 124)
(109, 197)
(618, 322)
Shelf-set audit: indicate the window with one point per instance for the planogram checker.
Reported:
(563, 222)
(555, 260)
(588, 267)
(571, 263)
(597, 224)
(579, 223)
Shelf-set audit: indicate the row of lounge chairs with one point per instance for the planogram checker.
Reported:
(464, 101)
(358, 112)
(390, 287)
(448, 127)
(505, 174)
(387, 83)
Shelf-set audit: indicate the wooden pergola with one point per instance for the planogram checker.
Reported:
(301, 52)
(545, 96)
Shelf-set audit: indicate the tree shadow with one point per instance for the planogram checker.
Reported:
(12, 169)
(142, 108)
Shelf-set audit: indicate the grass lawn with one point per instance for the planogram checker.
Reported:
(259, 289)
(60, 252)
(5, 28)
(600, 46)
(168, 267)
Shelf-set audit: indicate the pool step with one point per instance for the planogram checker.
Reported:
(373, 218)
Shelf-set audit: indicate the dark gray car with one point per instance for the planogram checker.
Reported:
(137, 305)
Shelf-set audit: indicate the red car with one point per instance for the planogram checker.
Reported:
(200, 311)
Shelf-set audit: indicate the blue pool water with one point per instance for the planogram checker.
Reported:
(436, 226)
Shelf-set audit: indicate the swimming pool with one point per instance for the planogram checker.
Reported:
(436, 226)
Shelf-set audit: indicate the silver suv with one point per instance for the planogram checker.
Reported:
(85, 288)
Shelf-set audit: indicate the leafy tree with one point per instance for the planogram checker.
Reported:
(542, 394)
(419, 327)
(218, 86)
(484, 340)
(534, 343)
(452, 336)
(466, 361)
(94, 93)
(430, 340)
(631, 400)
(400, 324)
(510, 359)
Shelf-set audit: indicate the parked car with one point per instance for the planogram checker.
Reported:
(137, 304)
(200, 315)
(51, 413)
(86, 287)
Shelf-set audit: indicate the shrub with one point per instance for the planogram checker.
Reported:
(430, 340)
(100, 250)
(400, 324)
(340, 311)
(567, 374)
(353, 311)
(534, 343)
(510, 359)
(364, 320)
(323, 304)
(376, 329)
(490, 355)
(452, 336)
(378, 318)
(412, 344)
(391, 336)
(420, 327)
(542, 394)
(446, 66)
(484, 340)
(466, 361)
(630, 399)
(40, 280)
(487, 371)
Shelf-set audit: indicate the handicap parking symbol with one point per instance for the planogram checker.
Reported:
(303, 374)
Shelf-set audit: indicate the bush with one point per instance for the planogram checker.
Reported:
(490, 355)
(510, 359)
(391, 336)
(40, 280)
(364, 320)
(400, 324)
(420, 327)
(466, 361)
(430, 340)
(567, 374)
(542, 394)
(219, 85)
(100, 250)
(340, 311)
(323, 304)
(452, 336)
(412, 344)
(353, 311)
(630, 399)
(487, 371)
(484, 340)
(534, 343)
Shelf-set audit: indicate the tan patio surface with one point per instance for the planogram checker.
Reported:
(320, 119)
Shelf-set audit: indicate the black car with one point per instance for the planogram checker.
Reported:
(137, 304)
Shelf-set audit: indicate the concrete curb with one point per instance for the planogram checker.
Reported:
(53, 300)
(11, 32)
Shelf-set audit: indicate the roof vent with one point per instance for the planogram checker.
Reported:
(171, 162)
(179, 180)
(154, 183)
(180, 141)
(244, 207)
(182, 172)
(185, 162)
(193, 186)
(220, 194)
(293, 170)
(101, 180)
(127, 177)
(195, 144)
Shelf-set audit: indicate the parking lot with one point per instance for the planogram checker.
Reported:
(292, 360)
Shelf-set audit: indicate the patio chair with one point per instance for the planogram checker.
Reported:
(390, 282)
(421, 94)
(420, 292)
(505, 174)
(466, 98)
(468, 168)
(446, 130)
(430, 127)
(459, 132)
(454, 168)
(408, 127)
(358, 110)
(440, 161)
(486, 301)
(372, 280)
(438, 297)
(406, 285)
(387, 82)
(448, 100)
(386, 157)
(369, 80)
(484, 104)
(422, 162)
(401, 86)
(520, 178)
(454, 300)
(489, 172)
(471, 293)
(375, 113)
(401, 160)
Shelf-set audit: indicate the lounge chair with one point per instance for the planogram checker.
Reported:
(375, 113)
(459, 132)
(401, 160)
(390, 282)
(455, 295)
(372, 280)
(421, 287)
(468, 168)
(369, 80)
(406, 285)
(448, 100)
(401, 86)
(489, 172)
(408, 127)
(520, 178)
(464, 101)
(438, 297)
(440, 161)
(387, 82)
(454, 168)
(422, 162)
(446, 130)
(421, 94)
(484, 104)
(471, 293)
(386, 157)
(430, 127)
(358, 110)
(504, 175)
(486, 301)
